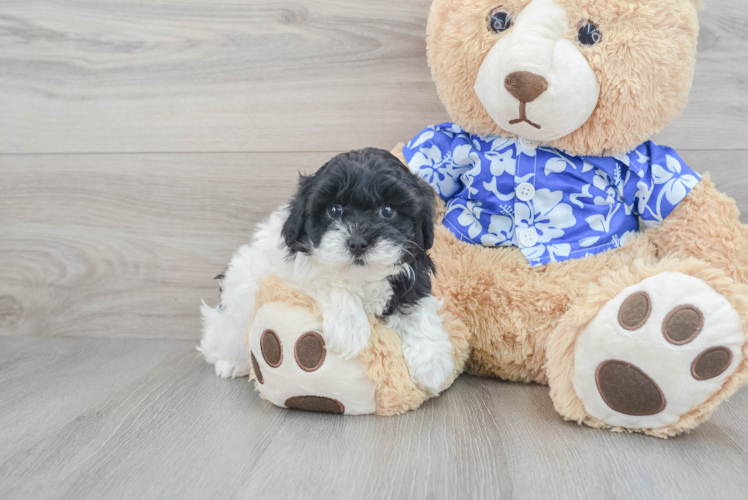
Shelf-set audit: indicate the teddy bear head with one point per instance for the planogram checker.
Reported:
(592, 77)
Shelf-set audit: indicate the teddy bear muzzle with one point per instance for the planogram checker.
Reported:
(534, 82)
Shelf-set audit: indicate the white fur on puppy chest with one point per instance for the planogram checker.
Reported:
(534, 44)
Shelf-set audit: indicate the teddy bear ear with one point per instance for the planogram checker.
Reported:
(440, 9)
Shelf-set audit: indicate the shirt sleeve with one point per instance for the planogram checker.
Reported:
(430, 155)
(659, 181)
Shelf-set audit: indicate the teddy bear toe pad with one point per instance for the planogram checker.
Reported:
(294, 369)
(627, 389)
(315, 403)
(659, 349)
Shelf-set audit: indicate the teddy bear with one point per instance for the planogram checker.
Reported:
(571, 250)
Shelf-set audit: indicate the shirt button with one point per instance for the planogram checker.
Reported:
(525, 191)
(527, 143)
(528, 237)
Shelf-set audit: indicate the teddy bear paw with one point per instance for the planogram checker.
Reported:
(658, 350)
(294, 368)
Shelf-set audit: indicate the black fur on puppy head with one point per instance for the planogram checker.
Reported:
(364, 209)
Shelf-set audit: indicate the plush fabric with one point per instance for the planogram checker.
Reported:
(649, 336)
(562, 341)
(291, 314)
(644, 66)
(286, 316)
(525, 320)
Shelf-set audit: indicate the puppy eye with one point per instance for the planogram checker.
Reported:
(335, 211)
(590, 35)
(387, 212)
(499, 20)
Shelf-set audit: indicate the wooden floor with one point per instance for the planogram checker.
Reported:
(140, 142)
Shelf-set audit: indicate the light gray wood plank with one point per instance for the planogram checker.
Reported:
(715, 115)
(213, 75)
(253, 75)
(128, 245)
(724, 168)
(103, 418)
(93, 241)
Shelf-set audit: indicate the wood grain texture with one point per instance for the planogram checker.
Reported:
(91, 418)
(241, 75)
(128, 245)
(718, 104)
(119, 249)
(255, 75)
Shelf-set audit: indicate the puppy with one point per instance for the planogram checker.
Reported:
(355, 237)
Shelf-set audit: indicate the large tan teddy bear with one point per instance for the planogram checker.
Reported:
(571, 250)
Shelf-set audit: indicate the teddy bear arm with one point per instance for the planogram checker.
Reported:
(706, 226)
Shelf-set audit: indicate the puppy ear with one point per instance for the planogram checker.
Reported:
(294, 229)
(426, 231)
(425, 219)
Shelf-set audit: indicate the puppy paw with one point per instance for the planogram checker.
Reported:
(430, 363)
(346, 333)
(231, 368)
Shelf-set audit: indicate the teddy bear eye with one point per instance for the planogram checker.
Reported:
(499, 20)
(590, 35)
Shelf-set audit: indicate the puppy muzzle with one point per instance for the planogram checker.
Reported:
(358, 246)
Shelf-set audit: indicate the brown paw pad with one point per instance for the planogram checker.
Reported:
(256, 368)
(315, 403)
(711, 363)
(628, 390)
(682, 324)
(635, 311)
(270, 345)
(310, 351)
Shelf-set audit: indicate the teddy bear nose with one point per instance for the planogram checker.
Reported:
(525, 86)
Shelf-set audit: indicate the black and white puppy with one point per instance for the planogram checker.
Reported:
(355, 237)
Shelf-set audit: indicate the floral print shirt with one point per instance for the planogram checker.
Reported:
(553, 206)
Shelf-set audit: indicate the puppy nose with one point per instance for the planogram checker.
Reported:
(525, 86)
(358, 245)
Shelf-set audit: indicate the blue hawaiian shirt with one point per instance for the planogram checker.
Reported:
(553, 206)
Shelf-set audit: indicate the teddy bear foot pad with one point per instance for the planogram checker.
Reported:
(294, 369)
(656, 351)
